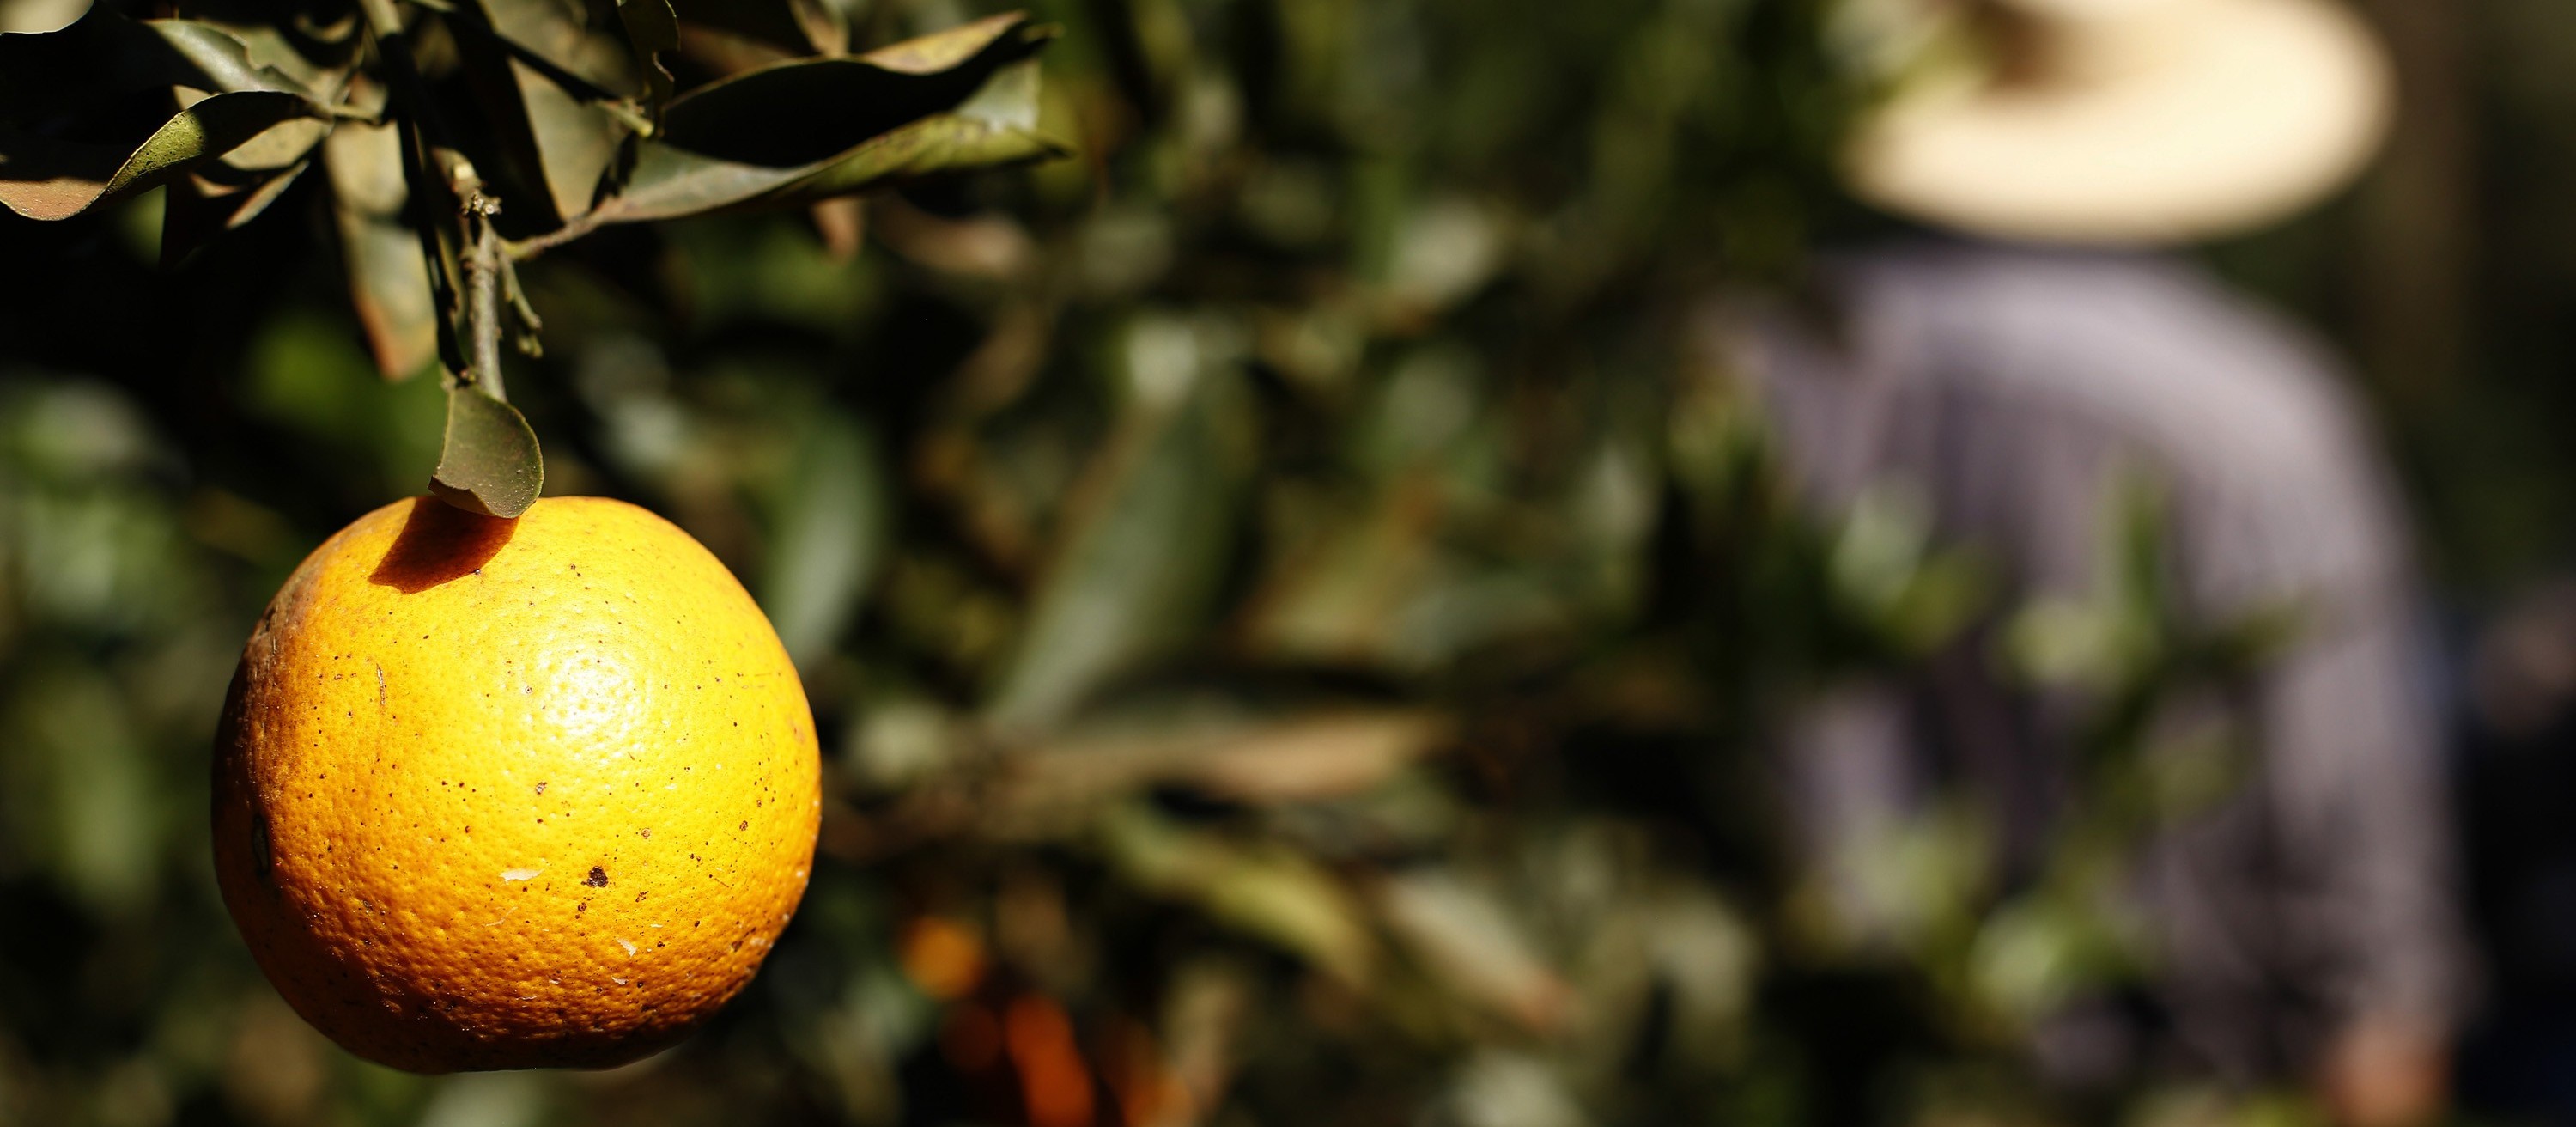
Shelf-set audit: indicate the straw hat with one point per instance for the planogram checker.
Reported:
(2131, 121)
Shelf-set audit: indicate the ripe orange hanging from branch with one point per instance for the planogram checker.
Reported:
(513, 793)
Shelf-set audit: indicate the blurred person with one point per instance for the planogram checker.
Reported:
(2005, 372)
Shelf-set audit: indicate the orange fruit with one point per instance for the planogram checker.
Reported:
(512, 793)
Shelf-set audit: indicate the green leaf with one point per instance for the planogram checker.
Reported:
(508, 153)
(831, 535)
(223, 60)
(216, 199)
(319, 55)
(1472, 945)
(1275, 894)
(83, 801)
(1135, 569)
(43, 178)
(575, 48)
(558, 91)
(489, 463)
(801, 131)
(1315, 755)
(104, 55)
(801, 26)
(576, 141)
(284, 145)
(652, 29)
(804, 110)
(389, 282)
(997, 128)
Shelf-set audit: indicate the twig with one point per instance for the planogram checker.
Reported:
(482, 252)
(574, 228)
(483, 295)
(423, 135)
(393, 47)
(530, 325)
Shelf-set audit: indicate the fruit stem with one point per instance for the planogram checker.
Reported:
(483, 295)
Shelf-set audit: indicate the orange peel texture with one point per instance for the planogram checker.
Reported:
(513, 793)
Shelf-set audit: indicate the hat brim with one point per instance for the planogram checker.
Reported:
(2277, 103)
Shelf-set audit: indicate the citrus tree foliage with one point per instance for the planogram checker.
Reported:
(427, 120)
(1291, 615)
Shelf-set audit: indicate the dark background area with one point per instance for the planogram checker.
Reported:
(1363, 326)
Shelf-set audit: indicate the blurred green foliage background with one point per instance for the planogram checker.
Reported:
(1290, 614)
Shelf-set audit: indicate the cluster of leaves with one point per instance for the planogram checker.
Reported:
(1292, 614)
(427, 117)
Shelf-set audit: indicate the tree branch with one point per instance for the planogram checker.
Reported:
(483, 295)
